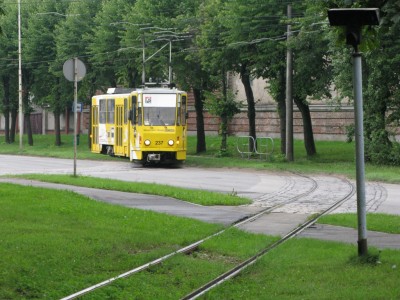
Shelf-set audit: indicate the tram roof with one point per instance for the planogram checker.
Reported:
(145, 90)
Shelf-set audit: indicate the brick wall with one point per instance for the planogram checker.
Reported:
(328, 123)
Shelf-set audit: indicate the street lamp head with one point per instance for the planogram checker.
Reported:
(353, 19)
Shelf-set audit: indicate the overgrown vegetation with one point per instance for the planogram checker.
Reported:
(54, 243)
(376, 222)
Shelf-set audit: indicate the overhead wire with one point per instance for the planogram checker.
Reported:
(270, 21)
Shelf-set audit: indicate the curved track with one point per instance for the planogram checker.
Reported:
(240, 267)
(273, 202)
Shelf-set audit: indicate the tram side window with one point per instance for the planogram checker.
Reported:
(126, 111)
(184, 114)
(110, 111)
(103, 111)
(140, 113)
(179, 111)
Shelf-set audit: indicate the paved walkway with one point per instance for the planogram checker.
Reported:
(271, 224)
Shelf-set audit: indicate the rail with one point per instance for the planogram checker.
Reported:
(261, 146)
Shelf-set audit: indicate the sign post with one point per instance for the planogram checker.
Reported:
(353, 19)
(74, 70)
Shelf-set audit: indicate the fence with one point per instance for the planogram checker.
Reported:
(261, 146)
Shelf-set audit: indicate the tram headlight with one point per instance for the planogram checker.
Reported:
(147, 142)
(171, 142)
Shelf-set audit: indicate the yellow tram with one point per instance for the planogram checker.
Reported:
(148, 125)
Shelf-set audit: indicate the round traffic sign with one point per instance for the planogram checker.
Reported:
(69, 69)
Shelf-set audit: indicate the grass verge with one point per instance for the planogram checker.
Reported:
(54, 243)
(193, 196)
(375, 222)
(311, 269)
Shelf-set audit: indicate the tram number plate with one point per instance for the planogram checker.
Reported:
(159, 143)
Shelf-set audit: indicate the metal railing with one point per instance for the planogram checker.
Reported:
(261, 146)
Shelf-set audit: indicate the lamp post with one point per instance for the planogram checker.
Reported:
(353, 19)
(20, 112)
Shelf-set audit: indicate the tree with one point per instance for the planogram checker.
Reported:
(45, 85)
(382, 101)
(70, 42)
(112, 65)
(177, 22)
(217, 59)
(9, 68)
(380, 46)
(312, 67)
(270, 62)
(223, 104)
(242, 27)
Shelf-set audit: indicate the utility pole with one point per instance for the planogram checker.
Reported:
(143, 61)
(289, 97)
(170, 63)
(20, 111)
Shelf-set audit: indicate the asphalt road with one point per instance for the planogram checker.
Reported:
(264, 188)
(260, 186)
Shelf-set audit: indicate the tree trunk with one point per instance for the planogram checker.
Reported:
(251, 110)
(57, 109)
(6, 108)
(281, 101)
(132, 77)
(224, 134)
(309, 143)
(13, 129)
(224, 118)
(57, 129)
(199, 105)
(27, 117)
(28, 127)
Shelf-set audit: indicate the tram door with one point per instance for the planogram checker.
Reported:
(119, 114)
(121, 127)
(95, 129)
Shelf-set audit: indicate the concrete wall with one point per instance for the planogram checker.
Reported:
(328, 123)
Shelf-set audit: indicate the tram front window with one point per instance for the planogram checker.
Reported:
(159, 116)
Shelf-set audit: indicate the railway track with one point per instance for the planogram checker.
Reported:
(240, 267)
(288, 189)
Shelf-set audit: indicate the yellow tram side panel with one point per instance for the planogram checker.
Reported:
(95, 146)
(110, 126)
(121, 126)
(181, 148)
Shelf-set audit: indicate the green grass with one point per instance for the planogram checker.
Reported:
(194, 196)
(55, 243)
(44, 145)
(375, 222)
(311, 269)
(334, 157)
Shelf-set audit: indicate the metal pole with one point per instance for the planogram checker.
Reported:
(360, 168)
(75, 109)
(20, 111)
(143, 62)
(170, 63)
(289, 97)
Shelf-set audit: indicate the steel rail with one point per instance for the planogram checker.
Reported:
(240, 267)
(193, 246)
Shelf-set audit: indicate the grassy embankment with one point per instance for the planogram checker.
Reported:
(333, 157)
(54, 243)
